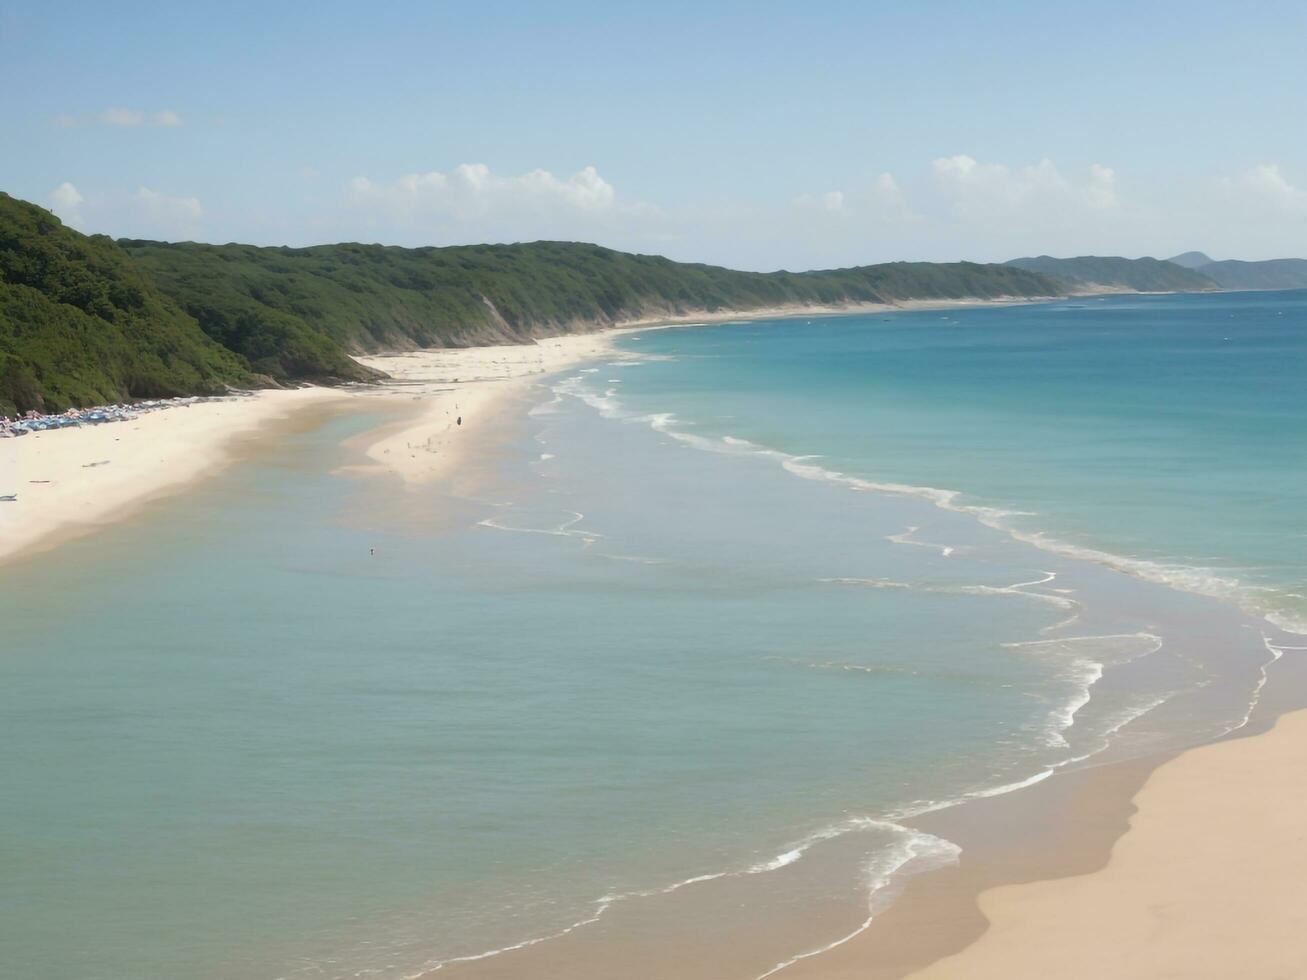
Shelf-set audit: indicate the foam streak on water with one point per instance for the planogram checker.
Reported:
(1199, 580)
(916, 852)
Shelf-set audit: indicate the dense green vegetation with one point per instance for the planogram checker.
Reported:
(81, 324)
(86, 319)
(371, 297)
(1113, 272)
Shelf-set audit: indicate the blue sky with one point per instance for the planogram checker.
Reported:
(759, 135)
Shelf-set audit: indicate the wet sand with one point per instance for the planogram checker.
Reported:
(1210, 880)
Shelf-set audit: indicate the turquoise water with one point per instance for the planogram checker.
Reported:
(670, 690)
(1166, 433)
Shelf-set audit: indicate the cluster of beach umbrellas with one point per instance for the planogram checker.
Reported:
(74, 417)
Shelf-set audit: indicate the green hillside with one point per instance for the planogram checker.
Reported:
(374, 297)
(1113, 272)
(81, 324)
(88, 320)
(1270, 274)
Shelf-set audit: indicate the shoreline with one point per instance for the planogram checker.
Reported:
(791, 311)
(1162, 901)
(72, 481)
(1055, 878)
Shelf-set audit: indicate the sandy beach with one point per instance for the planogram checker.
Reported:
(447, 386)
(1210, 881)
(70, 481)
(788, 311)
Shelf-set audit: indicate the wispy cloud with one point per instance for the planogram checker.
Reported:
(879, 197)
(147, 213)
(978, 189)
(951, 207)
(1266, 184)
(66, 201)
(471, 189)
(174, 217)
(470, 203)
(954, 207)
(122, 117)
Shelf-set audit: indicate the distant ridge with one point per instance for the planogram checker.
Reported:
(1116, 274)
(1234, 274)
(379, 297)
(1186, 272)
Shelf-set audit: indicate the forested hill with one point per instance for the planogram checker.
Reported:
(85, 319)
(1112, 272)
(81, 324)
(375, 297)
(1268, 274)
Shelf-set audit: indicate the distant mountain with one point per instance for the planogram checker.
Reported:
(1191, 260)
(1269, 274)
(1113, 273)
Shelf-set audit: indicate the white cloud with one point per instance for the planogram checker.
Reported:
(880, 196)
(121, 116)
(950, 208)
(470, 203)
(886, 189)
(170, 216)
(147, 213)
(1257, 213)
(987, 190)
(117, 116)
(66, 201)
(471, 189)
(955, 207)
(831, 201)
(1265, 184)
(1100, 192)
(877, 201)
(964, 207)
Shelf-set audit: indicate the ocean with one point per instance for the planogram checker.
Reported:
(660, 695)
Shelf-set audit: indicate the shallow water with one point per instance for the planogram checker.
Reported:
(664, 693)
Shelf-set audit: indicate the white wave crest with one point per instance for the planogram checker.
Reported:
(915, 852)
(1183, 578)
(567, 529)
(907, 537)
